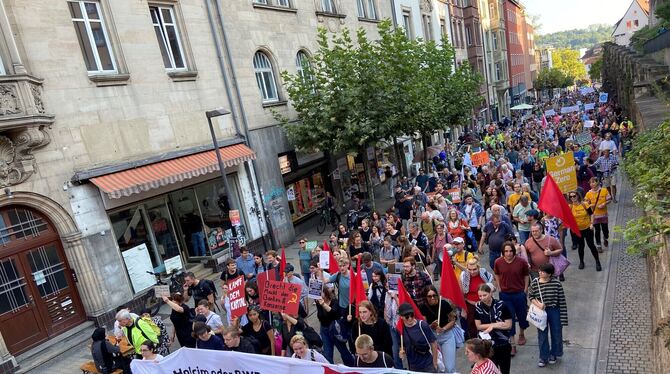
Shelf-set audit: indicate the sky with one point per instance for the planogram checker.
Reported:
(560, 15)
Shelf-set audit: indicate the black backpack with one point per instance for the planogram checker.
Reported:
(210, 284)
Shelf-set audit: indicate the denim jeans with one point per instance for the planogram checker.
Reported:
(395, 339)
(493, 256)
(329, 345)
(198, 243)
(447, 343)
(516, 303)
(553, 326)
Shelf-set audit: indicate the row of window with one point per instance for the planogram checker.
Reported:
(265, 74)
(364, 8)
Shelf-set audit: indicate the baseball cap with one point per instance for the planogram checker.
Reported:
(405, 309)
(289, 268)
(458, 240)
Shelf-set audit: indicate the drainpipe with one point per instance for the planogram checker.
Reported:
(395, 22)
(224, 72)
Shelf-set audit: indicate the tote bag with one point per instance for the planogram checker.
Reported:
(536, 316)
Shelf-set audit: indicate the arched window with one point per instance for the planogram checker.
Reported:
(265, 77)
(301, 60)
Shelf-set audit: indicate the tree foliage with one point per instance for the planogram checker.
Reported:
(567, 61)
(548, 79)
(577, 38)
(353, 94)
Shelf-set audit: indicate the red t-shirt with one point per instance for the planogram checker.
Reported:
(511, 275)
(485, 367)
(475, 282)
(536, 254)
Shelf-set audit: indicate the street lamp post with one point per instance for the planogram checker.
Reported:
(216, 113)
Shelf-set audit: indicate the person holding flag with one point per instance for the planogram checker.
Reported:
(418, 342)
(442, 318)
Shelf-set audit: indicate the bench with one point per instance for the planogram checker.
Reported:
(89, 368)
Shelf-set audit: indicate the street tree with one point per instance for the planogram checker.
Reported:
(595, 71)
(548, 79)
(567, 61)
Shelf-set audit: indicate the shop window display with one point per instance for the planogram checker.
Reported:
(305, 196)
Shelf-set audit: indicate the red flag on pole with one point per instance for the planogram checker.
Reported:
(404, 297)
(325, 246)
(544, 121)
(449, 287)
(360, 288)
(553, 202)
(352, 285)
(333, 266)
(282, 263)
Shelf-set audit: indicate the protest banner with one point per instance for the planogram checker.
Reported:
(569, 109)
(589, 106)
(324, 260)
(281, 297)
(562, 169)
(455, 194)
(238, 305)
(479, 158)
(262, 277)
(160, 291)
(550, 112)
(586, 90)
(393, 280)
(315, 287)
(603, 97)
(203, 361)
(583, 138)
(588, 124)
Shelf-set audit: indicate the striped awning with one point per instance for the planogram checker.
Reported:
(148, 177)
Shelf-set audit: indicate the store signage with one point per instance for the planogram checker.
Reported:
(234, 217)
(284, 164)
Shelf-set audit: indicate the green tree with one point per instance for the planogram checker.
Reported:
(595, 71)
(567, 61)
(578, 38)
(548, 79)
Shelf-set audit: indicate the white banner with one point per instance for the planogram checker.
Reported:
(590, 106)
(570, 109)
(586, 90)
(200, 361)
(550, 112)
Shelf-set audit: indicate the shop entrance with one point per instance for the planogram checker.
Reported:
(38, 296)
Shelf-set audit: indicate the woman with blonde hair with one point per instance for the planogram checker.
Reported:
(368, 323)
(302, 351)
(471, 279)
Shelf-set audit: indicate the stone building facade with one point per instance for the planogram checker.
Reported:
(495, 55)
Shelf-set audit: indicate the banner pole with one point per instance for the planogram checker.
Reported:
(439, 312)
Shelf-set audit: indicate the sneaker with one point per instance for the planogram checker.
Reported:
(599, 248)
(561, 278)
(552, 360)
(581, 265)
(541, 364)
(598, 267)
(607, 243)
(574, 247)
(513, 352)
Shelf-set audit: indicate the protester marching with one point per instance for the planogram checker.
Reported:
(466, 261)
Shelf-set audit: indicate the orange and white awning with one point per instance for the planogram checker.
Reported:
(144, 178)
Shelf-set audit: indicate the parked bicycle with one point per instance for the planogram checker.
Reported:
(175, 281)
(326, 217)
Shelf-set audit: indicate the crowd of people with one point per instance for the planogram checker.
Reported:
(507, 254)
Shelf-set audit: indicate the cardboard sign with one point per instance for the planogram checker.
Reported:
(455, 195)
(315, 287)
(160, 291)
(324, 260)
(262, 277)
(603, 97)
(238, 306)
(583, 138)
(590, 106)
(588, 124)
(393, 280)
(281, 297)
(479, 158)
(234, 217)
(562, 169)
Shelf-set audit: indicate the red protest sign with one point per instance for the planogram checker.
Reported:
(479, 158)
(455, 194)
(262, 277)
(238, 306)
(282, 297)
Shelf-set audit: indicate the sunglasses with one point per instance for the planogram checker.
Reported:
(301, 242)
(432, 296)
(571, 196)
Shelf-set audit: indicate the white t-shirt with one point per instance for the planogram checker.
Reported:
(312, 355)
(607, 144)
(156, 359)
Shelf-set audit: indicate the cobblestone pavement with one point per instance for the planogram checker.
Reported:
(626, 335)
(609, 319)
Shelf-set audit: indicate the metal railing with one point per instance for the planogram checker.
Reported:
(658, 43)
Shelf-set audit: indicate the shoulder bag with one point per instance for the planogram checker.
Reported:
(560, 262)
(536, 316)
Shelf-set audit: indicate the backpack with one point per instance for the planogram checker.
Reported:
(152, 324)
(209, 283)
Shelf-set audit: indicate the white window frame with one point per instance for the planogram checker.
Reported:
(2, 67)
(407, 23)
(328, 6)
(301, 57)
(162, 26)
(89, 32)
(371, 9)
(263, 69)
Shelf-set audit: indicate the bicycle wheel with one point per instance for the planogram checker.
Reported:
(321, 227)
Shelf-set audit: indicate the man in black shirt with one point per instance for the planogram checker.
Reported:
(367, 357)
(234, 342)
(200, 290)
(230, 272)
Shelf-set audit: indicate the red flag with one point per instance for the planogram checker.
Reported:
(282, 263)
(544, 122)
(404, 297)
(360, 288)
(553, 202)
(449, 287)
(325, 246)
(333, 266)
(352, 285)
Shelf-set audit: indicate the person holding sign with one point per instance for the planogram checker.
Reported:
(304, 290)
(329, 316)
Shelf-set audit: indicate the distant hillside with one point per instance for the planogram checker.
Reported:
(578, 38)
